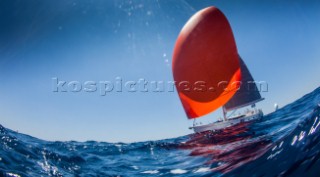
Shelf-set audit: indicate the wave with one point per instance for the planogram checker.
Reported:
(283, 143)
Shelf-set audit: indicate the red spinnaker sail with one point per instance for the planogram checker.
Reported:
(206, 63)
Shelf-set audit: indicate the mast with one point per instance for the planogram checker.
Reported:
(224, 114)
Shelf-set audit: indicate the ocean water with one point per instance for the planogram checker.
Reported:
(283, 143)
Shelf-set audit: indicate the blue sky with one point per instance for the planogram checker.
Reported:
(101, 40)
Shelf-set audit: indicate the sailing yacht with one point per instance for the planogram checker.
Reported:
(206, 51)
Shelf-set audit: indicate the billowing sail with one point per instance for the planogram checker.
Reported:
(205, 63)
(248, 92)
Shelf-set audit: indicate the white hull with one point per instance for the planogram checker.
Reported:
(249, 116)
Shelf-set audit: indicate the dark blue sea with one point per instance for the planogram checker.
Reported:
(283, 143)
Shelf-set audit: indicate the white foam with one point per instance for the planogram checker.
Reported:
(135, 167)
(202, 170)
(178, 171)
(294, 140)
(13, 175)
(151, 172)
